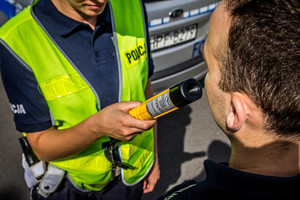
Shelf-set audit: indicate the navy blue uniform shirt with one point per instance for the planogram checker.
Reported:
(225, 183)
(91, 51)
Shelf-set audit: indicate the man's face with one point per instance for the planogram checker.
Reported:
(219, 101)
(88, 7)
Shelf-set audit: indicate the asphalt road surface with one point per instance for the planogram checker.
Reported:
(186, 138)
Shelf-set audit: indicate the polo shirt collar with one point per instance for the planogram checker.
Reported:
(64, 25)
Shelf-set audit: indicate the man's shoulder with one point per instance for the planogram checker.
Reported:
(190, 189)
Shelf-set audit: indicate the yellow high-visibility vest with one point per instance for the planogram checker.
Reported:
(72, 99)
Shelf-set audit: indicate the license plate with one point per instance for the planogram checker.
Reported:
(173, 37)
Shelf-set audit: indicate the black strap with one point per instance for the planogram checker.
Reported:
(112, 154)
(110, 144)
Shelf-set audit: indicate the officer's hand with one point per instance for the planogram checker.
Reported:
(114, 121)
(152, 178)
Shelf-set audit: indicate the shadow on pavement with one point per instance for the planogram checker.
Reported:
(12, 193)
(172, 156)
(170, 149)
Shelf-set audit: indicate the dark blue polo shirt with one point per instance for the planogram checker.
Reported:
(91, 51)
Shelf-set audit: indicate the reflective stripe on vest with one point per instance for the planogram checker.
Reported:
(72, 99)
(62, 86)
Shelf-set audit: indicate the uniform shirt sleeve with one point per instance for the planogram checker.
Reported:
(31, 112)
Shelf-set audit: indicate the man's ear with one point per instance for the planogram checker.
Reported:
(238, 116)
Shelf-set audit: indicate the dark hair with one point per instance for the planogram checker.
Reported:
(263, 60)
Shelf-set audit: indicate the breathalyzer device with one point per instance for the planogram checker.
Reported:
(169, 100)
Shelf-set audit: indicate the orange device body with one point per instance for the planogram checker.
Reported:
(168, 100)
(141, 112)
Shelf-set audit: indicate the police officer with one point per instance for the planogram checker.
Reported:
(64, 63)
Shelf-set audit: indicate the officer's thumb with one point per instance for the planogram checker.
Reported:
(129, 105)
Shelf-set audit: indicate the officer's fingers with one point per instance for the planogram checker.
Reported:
(130, 133)
(143, 125)
(128, 138)
(129, 105)
(148, 187)
(145, 183)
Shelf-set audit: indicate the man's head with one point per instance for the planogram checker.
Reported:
(253, 55)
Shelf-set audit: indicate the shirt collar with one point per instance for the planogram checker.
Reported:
(63, 24)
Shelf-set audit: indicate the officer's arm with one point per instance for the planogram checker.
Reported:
(113, 121)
